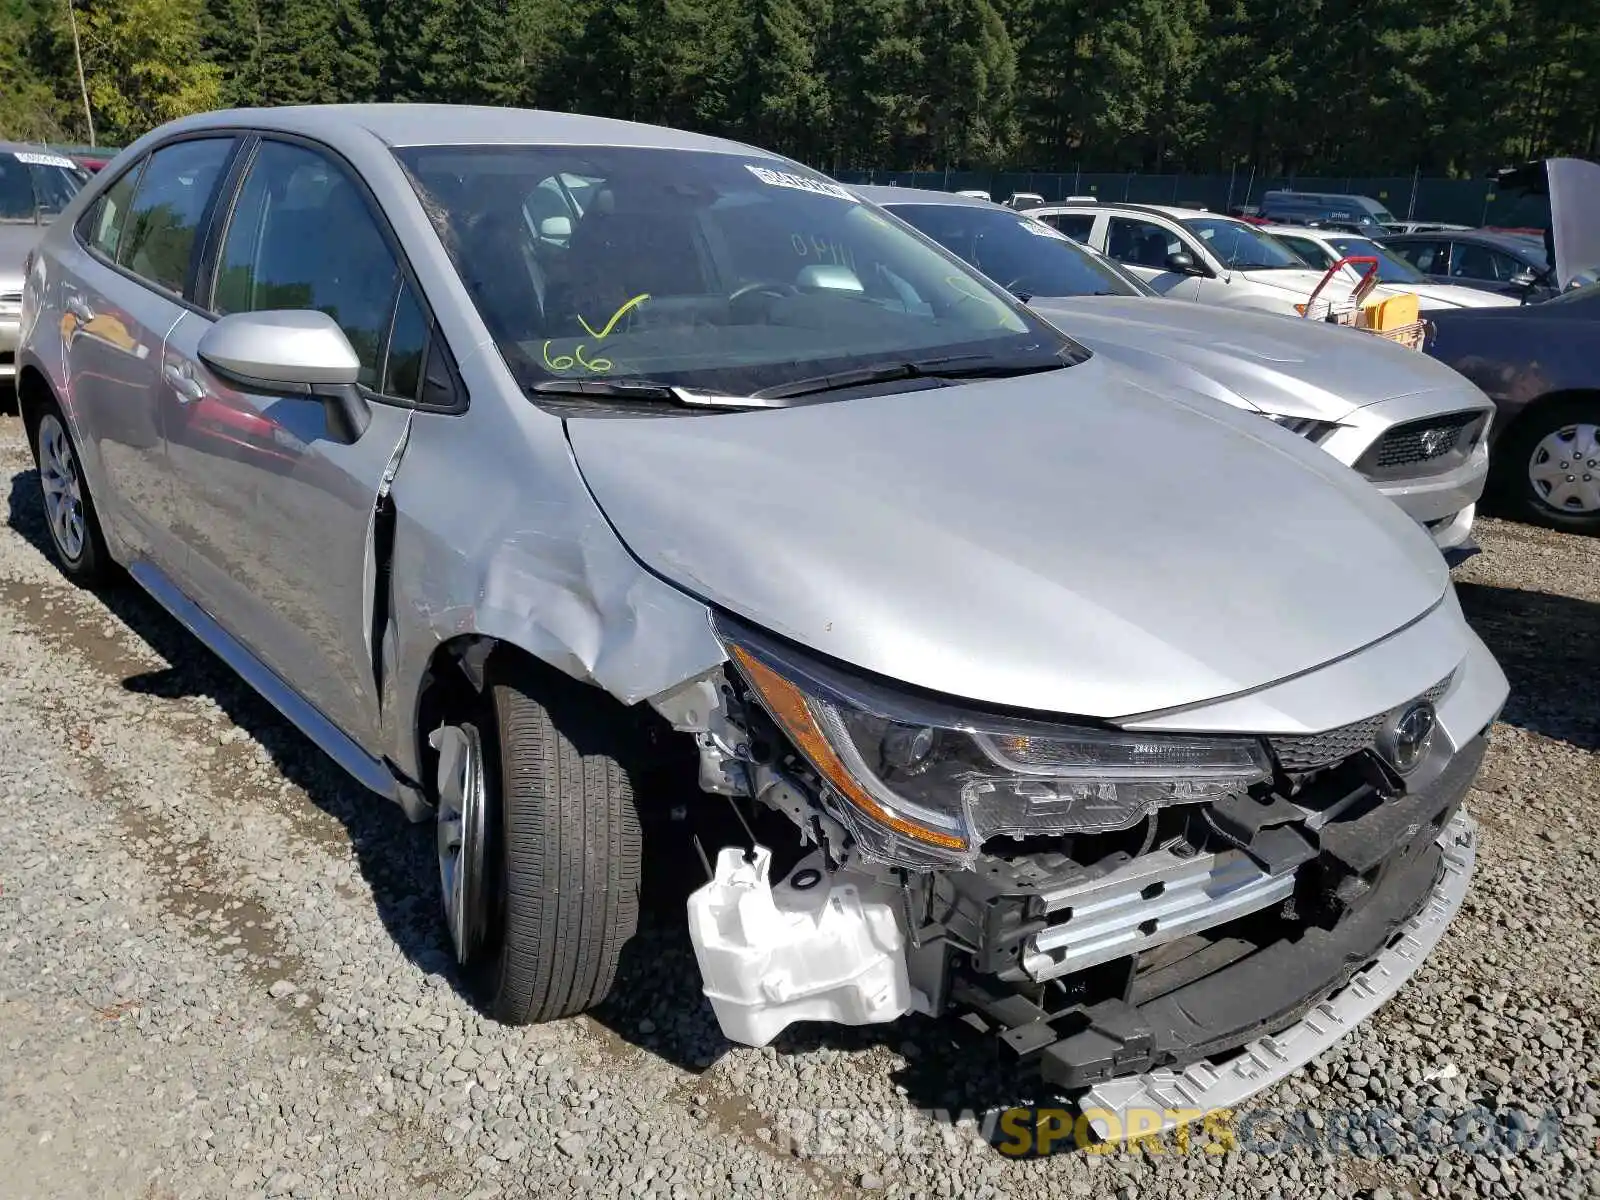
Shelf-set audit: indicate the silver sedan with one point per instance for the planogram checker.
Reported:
(522, 458)
(1419, 433)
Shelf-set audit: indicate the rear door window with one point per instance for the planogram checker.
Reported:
(1428, 255)
(164, 217)
(1141, 243)
(109, 216)
(1076, 226)
(1472, 261)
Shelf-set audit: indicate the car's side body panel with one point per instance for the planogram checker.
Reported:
(514, 550)
(498, 537)
(1519, 355)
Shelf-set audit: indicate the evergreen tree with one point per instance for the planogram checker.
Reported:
(143, 64)
(967, 101)
(469, 53)
(787, 103)
(1341, 87)
(29, 107)
(292, 51)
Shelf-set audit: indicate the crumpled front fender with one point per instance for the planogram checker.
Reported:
(497, 537)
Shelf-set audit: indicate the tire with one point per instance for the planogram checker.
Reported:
(1561, 431)
(69, 511)
(563, 846)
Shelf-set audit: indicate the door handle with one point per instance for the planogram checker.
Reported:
(187, 388)
(79, 307)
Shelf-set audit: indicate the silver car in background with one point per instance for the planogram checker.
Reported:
(35, 185)
(520, 458)
(1418, 433)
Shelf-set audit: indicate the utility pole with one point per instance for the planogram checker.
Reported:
(83, 87)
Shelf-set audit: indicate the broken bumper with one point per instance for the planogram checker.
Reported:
(835, 948)
(1183, 1095)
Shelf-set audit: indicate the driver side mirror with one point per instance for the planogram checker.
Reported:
(1524, 278)
(1183, 262)
(299, 353)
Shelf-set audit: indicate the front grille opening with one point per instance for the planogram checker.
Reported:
(1299, 753)
(1425, 446)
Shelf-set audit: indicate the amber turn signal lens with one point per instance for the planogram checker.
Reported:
(788, 707)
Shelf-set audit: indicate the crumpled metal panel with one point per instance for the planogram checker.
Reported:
(497, 536)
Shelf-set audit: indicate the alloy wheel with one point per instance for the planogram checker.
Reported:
(63, 491)
(461, 836)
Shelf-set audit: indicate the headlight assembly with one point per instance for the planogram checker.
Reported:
(922, 783)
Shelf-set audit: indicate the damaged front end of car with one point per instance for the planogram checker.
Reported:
(1161, 919)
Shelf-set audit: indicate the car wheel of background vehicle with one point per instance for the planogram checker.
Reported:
(539, 844)
(1550, 466)
(68, 508)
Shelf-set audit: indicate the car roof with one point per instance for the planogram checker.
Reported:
(1308, 231)
(31, 148)
(1317, 197)
(1511, 242)
(400, 125)
(886, 195)
(1172, 212)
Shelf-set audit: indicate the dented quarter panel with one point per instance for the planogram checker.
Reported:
(497, 537)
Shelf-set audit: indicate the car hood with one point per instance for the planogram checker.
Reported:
(1301, 283)
(1075, 542)
(1448, 295)
(1575, 227)
(1282, 365)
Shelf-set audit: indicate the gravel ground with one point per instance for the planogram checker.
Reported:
(221, 973)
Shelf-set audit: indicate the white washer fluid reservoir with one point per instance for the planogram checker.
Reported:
(818, 947)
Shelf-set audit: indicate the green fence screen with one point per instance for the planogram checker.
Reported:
(1459, 201)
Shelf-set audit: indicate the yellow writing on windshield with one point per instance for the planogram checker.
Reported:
(615, 317)
(565, 362)
(579, 356)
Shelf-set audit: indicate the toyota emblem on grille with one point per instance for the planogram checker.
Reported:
(1406, 736)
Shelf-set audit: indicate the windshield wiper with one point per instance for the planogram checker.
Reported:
(956, 366)
(645, 389)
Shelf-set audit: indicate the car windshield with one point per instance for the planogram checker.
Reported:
(1023, 255)
(1243, 247)
(35, 186)
(720, 272)
(1391, 267)
(1384, 217)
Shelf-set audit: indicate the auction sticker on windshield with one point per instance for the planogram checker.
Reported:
(44, 160)
(799, 183)
(1039, 229)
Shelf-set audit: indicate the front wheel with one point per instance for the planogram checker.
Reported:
(1549, 466)
(539, 845)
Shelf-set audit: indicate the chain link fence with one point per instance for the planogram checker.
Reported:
(1411, 198)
